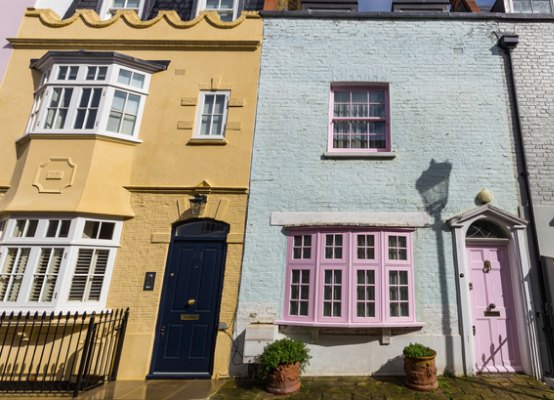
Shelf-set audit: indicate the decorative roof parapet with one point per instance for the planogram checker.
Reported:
(92, 19)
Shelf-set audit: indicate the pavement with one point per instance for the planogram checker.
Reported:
(481, 387)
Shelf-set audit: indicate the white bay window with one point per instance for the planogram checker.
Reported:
(56, 263)
(91, 92)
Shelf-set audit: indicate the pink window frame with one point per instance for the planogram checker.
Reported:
(368, 87)
(300, 264)
(349, 264)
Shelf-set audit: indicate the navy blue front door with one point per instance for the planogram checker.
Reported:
(188, 317)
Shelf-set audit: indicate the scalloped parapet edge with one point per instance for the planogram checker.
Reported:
(92, 19)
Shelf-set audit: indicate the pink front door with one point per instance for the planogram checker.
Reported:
(494, 324)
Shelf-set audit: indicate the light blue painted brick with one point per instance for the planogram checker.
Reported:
(449, 103)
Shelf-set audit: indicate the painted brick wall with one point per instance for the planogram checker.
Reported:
(449, 104)
(144, 247)
(533, 60)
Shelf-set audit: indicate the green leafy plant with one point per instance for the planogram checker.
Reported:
(416, 350)
(284, 351)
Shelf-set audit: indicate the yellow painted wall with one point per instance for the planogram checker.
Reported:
(148, 183)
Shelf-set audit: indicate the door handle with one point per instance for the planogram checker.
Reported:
(492, 306)
(191, 302)
(487, 266)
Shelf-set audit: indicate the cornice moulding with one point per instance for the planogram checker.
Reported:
(125, 44)
(92, 19)
(187, 189)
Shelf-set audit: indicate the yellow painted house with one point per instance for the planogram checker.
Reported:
(125, 152)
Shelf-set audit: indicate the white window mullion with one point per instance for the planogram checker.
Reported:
(27, 280)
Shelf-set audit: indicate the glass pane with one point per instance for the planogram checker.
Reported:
(307, 252)
(219, 104)
(360, 310)
(338, 277)
(328, 252)
(361, 276)
(62, 72)
(394, 310)
(96, 288)
(124, 77)
(208, 104)
(370, 293)
(361, 254)
(132, 3)
(306, 277)
(227, 4)
(119, 98)
(96, 97)
(106, 230)
(297, 241)
(337, 293)
(392, 241)
(85, 96)
(91, 229)
(102, 71)
(370, 310)
(128, 125)
(336, 310)
(338, 252)
(329, 240)
(393, 278)
(31, 228)
(297, 253)
(295, 276)
(403, 277)
(91, 73)
(404, 310)
(73, 73)
(19, 228)
(64, 229)
(361, 293)
(206, 123)
(371, 277)
(293, 308)
(132, 104)
(52, 228)
(294, 292)
(403, 293)
(392, 254)
(113, 121)
(327, 292)
(304, 308)
(217, 127)
(305, 292)
(402, 241)
(119, 3)
(326, 309)
(370, 254)
(307, 240)
(137, 81)
(212, 4)
(393, 293)
(377, 96)
(80, 120)
(91, 119)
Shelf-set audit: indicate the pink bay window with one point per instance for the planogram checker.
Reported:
(359, 118)
(349, 277)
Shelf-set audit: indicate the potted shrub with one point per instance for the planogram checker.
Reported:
(281, 363)
(419, 365)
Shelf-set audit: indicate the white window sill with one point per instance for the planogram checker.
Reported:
(71, 135)
(207, 142)
(352, 324)
(383, 155)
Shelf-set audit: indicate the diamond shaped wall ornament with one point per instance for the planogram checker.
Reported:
(55, 175)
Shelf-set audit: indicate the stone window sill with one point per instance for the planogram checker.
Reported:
(354, 155)
(206, 142)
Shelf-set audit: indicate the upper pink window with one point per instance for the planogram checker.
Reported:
(359, 119)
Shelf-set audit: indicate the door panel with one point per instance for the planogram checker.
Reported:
(188, 312)
(495, 334)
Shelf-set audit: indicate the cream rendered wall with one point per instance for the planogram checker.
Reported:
(148, 183)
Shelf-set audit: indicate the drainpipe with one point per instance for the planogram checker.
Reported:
(508, 42)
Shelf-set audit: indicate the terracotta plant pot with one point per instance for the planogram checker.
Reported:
(421, 373)
(284, 379)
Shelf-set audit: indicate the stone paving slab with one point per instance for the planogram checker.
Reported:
(482, 387)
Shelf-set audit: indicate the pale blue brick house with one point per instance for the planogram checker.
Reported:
(384, 199)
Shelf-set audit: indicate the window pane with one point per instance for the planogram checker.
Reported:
(128, 125)
(91, 230)
(102, 71)
(106, 231)
(219, 104)
(208, 104)
(114, 121)
(132, 3)
(124, 77)
(217, 127)
(205, 127)
(52, 228)
(132, 104)
(64, 229)
(138, 81)
(119, 100)
(119, 3)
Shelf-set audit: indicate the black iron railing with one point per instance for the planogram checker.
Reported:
(63, 353)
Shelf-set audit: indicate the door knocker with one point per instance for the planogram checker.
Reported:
(487, 267)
